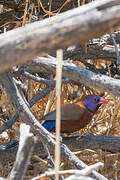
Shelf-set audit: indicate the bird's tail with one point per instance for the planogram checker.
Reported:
(49, 125)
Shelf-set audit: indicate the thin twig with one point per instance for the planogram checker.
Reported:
(116, 49)
(58, 109)
(49, 157)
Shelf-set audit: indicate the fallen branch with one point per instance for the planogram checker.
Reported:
(84, 172)
(23, 154)
(71, 27)
(77, 74)
(75, 143)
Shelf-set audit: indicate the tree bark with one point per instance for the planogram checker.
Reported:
(66, 29)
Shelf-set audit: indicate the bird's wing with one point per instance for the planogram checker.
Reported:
(72, 112)
(68, 112)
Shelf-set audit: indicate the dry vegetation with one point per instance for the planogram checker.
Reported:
(105, 122)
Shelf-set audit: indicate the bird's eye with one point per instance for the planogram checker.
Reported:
(97, 100)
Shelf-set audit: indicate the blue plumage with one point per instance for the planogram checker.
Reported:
(49, 125)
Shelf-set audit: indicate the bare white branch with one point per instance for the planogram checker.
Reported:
(26, 145)
(58, 32)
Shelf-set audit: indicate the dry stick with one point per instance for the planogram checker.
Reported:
(77, 74)
(39, 79)
(84, 172)
(21, 85)
(32, 7)
(116, 49)
(90, 168)
(44, 135)
(50, 6)
(24, 153)
(49, 157)
(25, 12)
(29, 92)
(80, 178)
(49, 102)
(58, 110)
(46, 36)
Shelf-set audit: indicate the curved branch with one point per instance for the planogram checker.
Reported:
(77, 74)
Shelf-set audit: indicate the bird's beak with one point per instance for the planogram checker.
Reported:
(103, 101)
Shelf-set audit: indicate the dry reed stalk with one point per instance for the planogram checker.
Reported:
(58, 111)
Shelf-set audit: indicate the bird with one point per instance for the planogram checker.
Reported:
(74, 116)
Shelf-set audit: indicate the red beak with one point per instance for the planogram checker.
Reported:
(103, 101)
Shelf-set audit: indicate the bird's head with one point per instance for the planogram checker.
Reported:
(94, 102)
